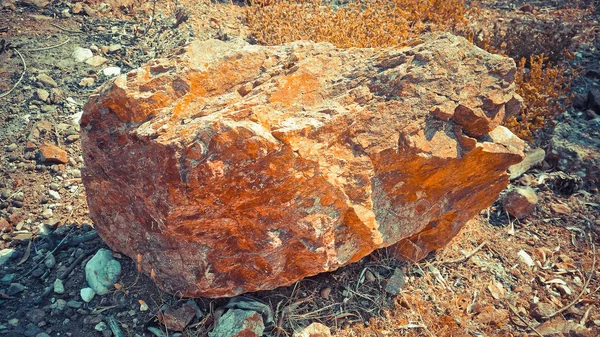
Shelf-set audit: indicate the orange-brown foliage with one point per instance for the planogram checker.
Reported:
(546, 90)
(370, 23)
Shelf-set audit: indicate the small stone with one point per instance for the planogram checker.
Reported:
(82, 54)
(77, 8)
(11, 147)
(143, 306)
(102, 271)
(54, 194)
(36, 315)
(96, 61)
(59, 287)
(177, 319)
(4, 225)
(314, 330)
(86, 82)
(60, 304)
(111, 71)
(395, 283)
(236, 322)
(53, 154)
(47, 81)
(114, 48)
(88, 10)
(42, 94)
(14, 289)
(50, 261)
(87, 294)
(42, 334)
(520, 202)
(101, 326)
(72, 138)
(47, 213)
(74, 304)
(7, 279)
(13, 321)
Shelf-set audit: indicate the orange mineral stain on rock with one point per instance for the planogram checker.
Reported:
(231, 168)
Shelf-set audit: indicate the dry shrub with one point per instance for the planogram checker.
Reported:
(546, 90)
(369, 23)
(527, 38)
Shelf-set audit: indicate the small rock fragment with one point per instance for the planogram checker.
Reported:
(77, 8)
(143, 305)
(4, 226)
(111, 71)
(96, 61)
(35, 315)
(102, 271)
(82, 54)
(42, 94)
(59, 287)
(49, 260)
(101, 326)
(46, 80)
(532, 158)
(5, 255)
(520, 202)
(176, 319)
(87, 294)
(14, 288)
(114, 48)
(314, 330)
(53, 154)
(54, 194)
(396, 282)
(74, 304)
(236, 323)
(11, 147)
(47, 213)
(86, 82)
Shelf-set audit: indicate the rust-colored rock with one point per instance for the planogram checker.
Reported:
(231, 167)
(520, 202)
(53, 154)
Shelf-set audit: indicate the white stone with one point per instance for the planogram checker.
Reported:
(5, 254)
(47, 213)
(87, 294)
(111, 71)
(54, 194)
(81, 54)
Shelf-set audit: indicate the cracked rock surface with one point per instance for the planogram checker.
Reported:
(229, 168)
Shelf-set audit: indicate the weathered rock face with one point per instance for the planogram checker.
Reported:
(231, 168)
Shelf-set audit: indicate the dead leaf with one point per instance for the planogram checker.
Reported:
(27, 253)
(561, 208)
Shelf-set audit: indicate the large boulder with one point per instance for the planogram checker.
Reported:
(228, 167)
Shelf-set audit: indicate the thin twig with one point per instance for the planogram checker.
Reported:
(585, 285)
(524, 321)
(20, 78)
(464, 258)
(66, 30)
(49, 47)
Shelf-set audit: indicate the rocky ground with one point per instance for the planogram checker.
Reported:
(500, 277)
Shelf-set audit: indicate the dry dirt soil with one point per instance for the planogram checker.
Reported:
(498, 277)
